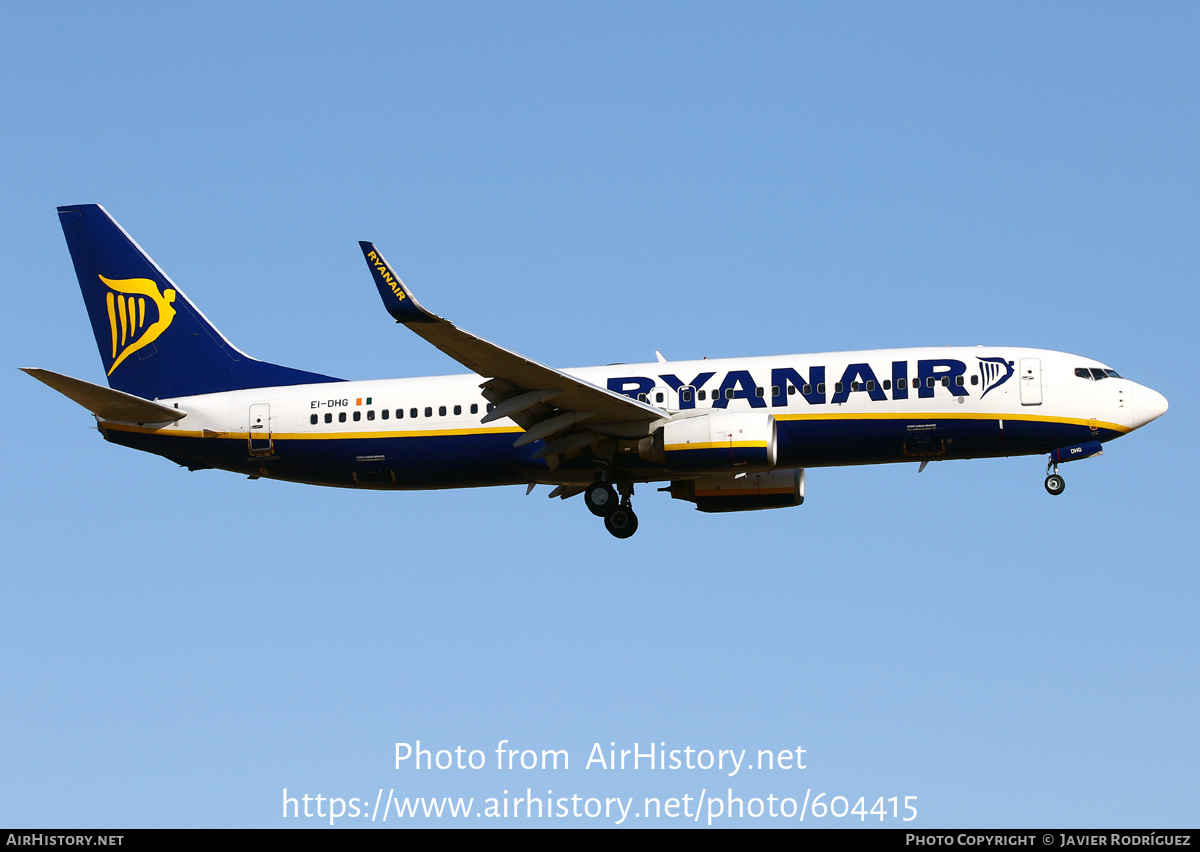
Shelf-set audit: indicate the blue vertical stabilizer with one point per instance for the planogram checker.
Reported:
(153, 342)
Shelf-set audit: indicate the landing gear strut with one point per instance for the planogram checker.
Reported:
(619, 519)
(1055, 484)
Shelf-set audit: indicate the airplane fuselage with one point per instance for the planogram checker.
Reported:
(728, 435)
(841, 408)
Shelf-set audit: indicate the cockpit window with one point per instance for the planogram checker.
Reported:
(1096, 373)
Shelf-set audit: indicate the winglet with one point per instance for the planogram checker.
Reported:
(396, 297)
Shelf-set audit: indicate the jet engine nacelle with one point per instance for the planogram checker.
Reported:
(714, 442)
(775, 489)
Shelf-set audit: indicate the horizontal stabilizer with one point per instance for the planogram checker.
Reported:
(106, 403)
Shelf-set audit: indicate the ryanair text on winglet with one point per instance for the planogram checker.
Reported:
(386, 274)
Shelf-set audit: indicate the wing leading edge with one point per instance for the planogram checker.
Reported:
(549, 404)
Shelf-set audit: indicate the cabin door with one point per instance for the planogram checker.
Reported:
(260, 429)
(1031, 381)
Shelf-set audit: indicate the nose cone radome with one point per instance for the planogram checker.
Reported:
(1147, 405)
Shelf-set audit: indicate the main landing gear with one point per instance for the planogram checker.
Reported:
(601, 498)
(619, 519)
(1055, 484)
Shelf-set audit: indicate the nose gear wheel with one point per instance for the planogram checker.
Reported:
(1055, 484)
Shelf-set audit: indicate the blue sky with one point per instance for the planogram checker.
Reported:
(586, 184)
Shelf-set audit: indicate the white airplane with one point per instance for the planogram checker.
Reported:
(727, 435)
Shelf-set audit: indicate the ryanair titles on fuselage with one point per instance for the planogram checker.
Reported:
(899, 382)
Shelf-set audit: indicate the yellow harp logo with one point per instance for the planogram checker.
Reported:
(127, 315)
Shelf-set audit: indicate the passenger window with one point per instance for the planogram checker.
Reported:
(821, 388)
(945, 381)
(729, 393)
(808, 389)
(474, 408)
(341, 417)
(870, 385)
(441, 411)
(412, 412)
(357, 416)
(328, 418)
(701, 395)
(384, 414)
(901, 384)
(959, 381)
(929, 382)
(974, 380)
(854, 386)
(658, 397)
(370, 413)
(887, 384)
(792, 390)
(399, 413)
(641, 397)
(758, 392)
(837, 388)
(429, 411)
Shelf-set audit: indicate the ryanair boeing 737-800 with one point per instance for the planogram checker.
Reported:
(727, 435)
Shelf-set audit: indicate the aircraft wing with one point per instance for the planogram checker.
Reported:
(542, 400)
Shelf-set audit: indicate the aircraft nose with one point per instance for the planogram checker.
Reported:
(1147, 405)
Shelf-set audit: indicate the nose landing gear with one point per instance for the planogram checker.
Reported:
(1055, 484)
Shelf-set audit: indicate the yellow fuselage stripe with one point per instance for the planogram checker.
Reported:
(954, 415)
(919, 416)
(742, 491)
(715, 445)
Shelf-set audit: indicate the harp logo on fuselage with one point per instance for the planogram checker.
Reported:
(995, 372)
(127, 300)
